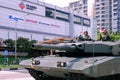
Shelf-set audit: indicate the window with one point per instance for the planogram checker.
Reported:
(102, 4)
(98, 24)
(103, 24)
(84, 1)
(97, 0)
(49, 12)
(103, 12)
(97, 5)
(85, 7)
(97, 8)
(103, 20)
(85, 11)
(106, 24)
(103, 8)
(86, 22)
(115, 14)
(97, 16)
(115, 10)
(97, 12)
(98, 20)
(103, 16)
(62, 16)
(77, 19)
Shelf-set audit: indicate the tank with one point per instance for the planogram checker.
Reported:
(85, 60)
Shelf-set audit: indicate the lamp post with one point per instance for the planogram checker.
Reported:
(17, 20)
(15, 40)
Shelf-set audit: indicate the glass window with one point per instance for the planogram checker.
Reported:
(103, 12)
(86, 22)
(97, 8)
(97, 16)
(98, 20)
(103, 24)
(49, 12)
(98, 24)
(84, 1)
(77, 19)
(115, 14)
(97, 12)
(97, 0)
(97, 5)
(62, 15)
(103, 8)
(103, 20)
(103, 16)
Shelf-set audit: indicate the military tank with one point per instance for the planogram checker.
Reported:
(84, 60)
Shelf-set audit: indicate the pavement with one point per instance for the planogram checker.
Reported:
(15, 75)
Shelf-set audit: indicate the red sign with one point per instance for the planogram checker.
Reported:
(21, 5)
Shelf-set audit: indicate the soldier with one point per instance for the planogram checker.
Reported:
(79, 37)
(104, 36)
(86, 37)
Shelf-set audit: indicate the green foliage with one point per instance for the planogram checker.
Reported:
(9, 43)
(98, 35)
(23, 44)
(113, 36)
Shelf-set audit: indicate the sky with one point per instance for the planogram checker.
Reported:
(60, 3)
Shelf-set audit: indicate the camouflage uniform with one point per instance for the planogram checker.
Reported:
(104, 36)
(86, 36)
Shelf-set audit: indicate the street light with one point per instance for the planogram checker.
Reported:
(17, 19)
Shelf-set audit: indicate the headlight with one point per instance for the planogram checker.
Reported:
(61, 64)
(35, 62)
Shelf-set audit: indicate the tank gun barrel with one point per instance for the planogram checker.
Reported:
(66, 47)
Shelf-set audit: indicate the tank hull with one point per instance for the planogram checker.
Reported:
(61, 66)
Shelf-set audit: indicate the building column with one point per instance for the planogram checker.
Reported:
(71, 26)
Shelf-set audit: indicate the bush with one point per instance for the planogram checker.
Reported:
(113, 36)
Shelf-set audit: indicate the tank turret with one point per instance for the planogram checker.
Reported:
(86, 47)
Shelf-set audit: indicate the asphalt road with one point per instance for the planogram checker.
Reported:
(15, 75)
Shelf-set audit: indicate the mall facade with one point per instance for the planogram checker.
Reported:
(38, 20)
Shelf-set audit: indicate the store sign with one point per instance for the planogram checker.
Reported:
(15, 18)
(22, 5)
(30, 7)
(11, 17)
(27, 6)
(30, 20)
(47, 24)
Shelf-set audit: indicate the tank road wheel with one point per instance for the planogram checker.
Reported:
(36, 74)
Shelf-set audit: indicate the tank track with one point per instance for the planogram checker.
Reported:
(37, 75)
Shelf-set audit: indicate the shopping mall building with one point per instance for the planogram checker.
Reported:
(38, 20)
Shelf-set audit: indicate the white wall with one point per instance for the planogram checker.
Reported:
(32, 22)
(15, 4)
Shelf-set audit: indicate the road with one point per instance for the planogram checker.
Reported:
(15, 75)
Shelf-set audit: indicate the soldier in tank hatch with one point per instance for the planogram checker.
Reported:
(86, 37)
(104, 36)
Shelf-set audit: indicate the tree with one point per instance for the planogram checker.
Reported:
(9, 43)
(23, 44)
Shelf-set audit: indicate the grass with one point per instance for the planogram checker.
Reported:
(9, 66)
